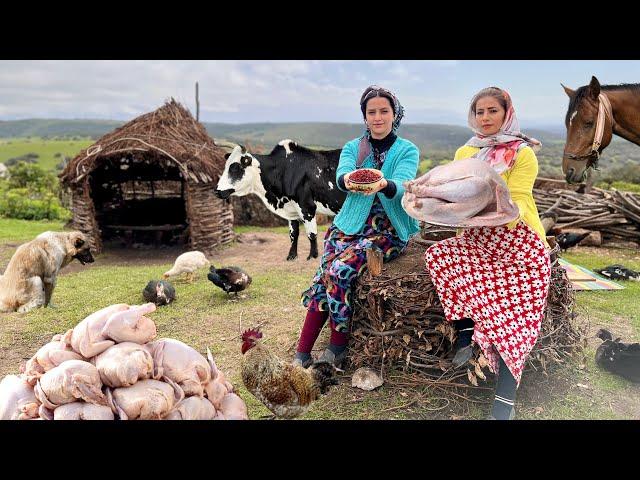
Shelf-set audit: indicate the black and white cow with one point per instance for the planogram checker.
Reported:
(294, 182)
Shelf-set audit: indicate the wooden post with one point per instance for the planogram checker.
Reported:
(197, 104)
(374, 261)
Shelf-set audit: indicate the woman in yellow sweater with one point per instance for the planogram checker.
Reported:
(493, 281)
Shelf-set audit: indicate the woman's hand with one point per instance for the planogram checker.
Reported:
(352, 187)
(381, 186)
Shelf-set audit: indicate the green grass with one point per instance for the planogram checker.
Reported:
(46, 149)
(610, 306)
(203, 316)
(13, 230)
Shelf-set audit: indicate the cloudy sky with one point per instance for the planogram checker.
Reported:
(245, 91)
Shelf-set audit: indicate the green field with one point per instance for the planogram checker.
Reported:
(46, 149)
(203, 316)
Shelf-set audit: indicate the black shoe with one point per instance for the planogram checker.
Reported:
(332, 358)
(463, 355)
(512, 415)
(306, 364)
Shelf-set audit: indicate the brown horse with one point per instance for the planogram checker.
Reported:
(580, 151)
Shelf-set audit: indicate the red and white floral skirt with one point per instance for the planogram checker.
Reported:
(500, 279)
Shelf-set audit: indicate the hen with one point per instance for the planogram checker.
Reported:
(287, 390)
(229, 279)
(568, 240)
(187, 263)
(159, 292)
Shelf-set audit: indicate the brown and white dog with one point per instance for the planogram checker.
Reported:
(30, 277)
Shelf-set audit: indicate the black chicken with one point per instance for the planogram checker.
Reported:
(229, 279)
(159, 292)
(568, 240)
(617, 357)
(619, 272)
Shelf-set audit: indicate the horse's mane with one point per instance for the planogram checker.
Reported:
(582, 93)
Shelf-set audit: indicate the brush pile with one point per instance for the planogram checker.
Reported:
(399, 323)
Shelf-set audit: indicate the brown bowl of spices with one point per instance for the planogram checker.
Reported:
(365, 180)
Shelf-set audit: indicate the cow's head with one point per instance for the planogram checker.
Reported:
(241, 174)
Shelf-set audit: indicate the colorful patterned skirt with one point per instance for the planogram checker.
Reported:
(500, 279)
(343, 260)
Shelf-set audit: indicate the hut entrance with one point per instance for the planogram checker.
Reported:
(139, 201)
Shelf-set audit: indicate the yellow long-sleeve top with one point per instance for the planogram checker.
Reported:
(519, 178)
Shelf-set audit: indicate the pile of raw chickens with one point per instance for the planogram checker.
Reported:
(109, 367)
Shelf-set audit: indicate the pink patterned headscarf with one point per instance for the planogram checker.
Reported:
(501, 149)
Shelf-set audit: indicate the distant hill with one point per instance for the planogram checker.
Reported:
(436, 142)
(56, 128)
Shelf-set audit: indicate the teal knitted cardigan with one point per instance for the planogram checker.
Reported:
(400, 164)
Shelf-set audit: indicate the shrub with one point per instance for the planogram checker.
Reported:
(31, 194)
(23, 204)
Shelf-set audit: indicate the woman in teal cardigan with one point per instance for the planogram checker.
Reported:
(375, 219)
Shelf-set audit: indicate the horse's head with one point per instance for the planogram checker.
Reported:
(581, 120)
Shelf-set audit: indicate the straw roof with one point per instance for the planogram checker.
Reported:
(170, 132)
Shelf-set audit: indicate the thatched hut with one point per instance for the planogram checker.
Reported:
(152, 180)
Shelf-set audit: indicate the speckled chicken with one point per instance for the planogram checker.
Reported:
(287, 390)
(159, 292)
(229, 279)
(187, 263)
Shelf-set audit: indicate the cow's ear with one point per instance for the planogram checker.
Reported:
(245, 161)
(227, 155)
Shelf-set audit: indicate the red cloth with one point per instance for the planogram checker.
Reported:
(338, 338)
(313, 323)
(500, 279)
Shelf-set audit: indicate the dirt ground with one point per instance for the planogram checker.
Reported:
(267, 250)
(270, 248)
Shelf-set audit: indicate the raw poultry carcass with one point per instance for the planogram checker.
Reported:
(463, 193)
(131, 325)
(88, 338)
(145, 400)
(219, 386)
(68, 382)
(193, 408)
(181, 363)
(49, 356)
(124, 364)
(82, 411)
(232, 407)
(112, 324)
(17, 399)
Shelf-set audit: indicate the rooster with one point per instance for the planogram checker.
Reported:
(287, 390)
(229, 279)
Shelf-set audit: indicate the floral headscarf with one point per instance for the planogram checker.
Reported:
(376, 91)
(370, 92)
(501, 149)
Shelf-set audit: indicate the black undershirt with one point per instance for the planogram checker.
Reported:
(379, 146)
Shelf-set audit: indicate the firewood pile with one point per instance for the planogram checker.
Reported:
(399, 324)
(614, 214)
